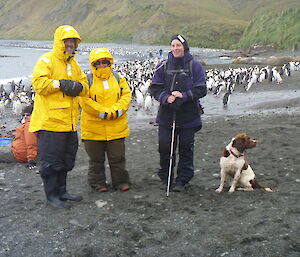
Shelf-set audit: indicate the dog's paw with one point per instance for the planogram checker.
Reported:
(219, 190)
(245, 189)
(269, 190)
(231, 190)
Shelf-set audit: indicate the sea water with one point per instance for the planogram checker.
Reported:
(18, 57)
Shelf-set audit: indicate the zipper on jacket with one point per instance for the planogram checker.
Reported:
(72, 114)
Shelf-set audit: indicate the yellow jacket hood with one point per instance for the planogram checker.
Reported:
(100, 53)
(53, 110)
(61, 33)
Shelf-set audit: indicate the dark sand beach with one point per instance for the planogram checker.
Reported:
(144, 222)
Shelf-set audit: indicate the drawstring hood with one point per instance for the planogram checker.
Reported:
(97, 54)
(103, 73)
(59, 49)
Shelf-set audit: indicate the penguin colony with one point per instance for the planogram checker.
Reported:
(139, 72)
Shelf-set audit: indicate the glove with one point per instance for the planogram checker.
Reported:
(176, 104)
(180, 82)
(31, 164)
(70, 87)
(111, 115)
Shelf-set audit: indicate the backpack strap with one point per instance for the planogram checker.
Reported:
(165, 67)
(116, 74)
(90, 77)
(190, 67)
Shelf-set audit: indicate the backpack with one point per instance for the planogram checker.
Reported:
(190, 67)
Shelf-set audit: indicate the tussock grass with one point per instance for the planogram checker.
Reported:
(214, 23)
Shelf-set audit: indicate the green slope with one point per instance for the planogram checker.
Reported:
(214, 23)
(279, 28)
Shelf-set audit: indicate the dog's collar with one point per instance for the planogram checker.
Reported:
(234, 154)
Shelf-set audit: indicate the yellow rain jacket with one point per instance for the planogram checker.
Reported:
(53, 110)
(106, 98)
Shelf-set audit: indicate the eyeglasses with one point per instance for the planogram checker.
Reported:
(101, 62)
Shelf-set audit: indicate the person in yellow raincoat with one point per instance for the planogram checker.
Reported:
(57, 80)
(104, 123)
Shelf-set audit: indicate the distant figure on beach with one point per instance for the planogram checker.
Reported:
(177, 84)
(24, 147)
(160, 52)
(57, 80)
(104, 123)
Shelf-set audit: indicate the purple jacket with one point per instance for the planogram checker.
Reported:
(191, 83)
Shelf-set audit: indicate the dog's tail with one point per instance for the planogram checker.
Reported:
(255, 184)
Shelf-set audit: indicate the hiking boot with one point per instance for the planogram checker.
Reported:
(62, 188)
(52, 194)
(124, 188)
(178, 188)
(57, 203)
(66, 196)
(102, 189)
(163, 186)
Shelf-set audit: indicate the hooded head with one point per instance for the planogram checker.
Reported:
(26, 113)
(101, 54)
(62, 33)
(182, 40)
(27, 110)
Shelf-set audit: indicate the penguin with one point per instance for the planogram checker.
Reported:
(139, 98)
(226, 98)
(148, 102)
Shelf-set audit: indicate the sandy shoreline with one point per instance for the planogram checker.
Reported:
(144, 222)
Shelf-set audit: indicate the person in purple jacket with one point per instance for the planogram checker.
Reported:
(178, 84)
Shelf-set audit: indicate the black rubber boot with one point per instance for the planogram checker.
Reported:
(62, 184)
(51, 191)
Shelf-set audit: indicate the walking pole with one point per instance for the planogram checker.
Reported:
(171, 153)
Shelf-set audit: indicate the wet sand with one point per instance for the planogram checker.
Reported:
(196, 222)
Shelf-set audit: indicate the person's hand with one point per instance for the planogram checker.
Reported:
(110, 116)
(177, 94)
(171, 99)
(70, 87)
(76, 88)
(107, 116)
(176, 104)
(64, 85)
(31, 164)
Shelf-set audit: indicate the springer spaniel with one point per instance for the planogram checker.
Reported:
(234, 163)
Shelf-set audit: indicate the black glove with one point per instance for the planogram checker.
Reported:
(70, 87)
(31, 164)
(176, 104)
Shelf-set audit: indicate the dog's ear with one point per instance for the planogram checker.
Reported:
(225, 153)
(239, 144)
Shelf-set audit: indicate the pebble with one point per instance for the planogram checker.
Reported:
(100, 203)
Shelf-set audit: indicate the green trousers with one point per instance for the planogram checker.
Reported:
(115, 152)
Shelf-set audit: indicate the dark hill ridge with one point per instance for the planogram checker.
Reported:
(214, 24)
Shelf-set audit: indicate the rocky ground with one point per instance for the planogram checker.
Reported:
(144, 221)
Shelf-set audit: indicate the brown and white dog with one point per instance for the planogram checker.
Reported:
(234, 164)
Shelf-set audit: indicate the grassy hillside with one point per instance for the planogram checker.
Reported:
(279, 28)
(214, 23)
